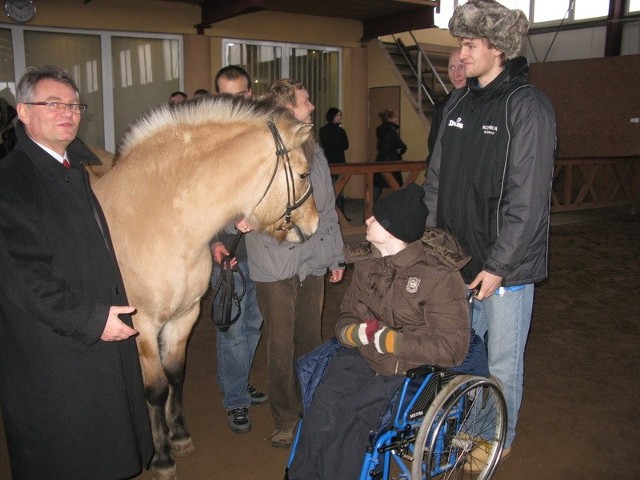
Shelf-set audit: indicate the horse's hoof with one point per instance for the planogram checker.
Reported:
(183, 447)
(168, 473)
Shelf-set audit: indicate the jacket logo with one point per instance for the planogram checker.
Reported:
(456, 123)
(412, 284)
(489, 129)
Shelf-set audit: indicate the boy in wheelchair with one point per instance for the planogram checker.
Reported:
(405, 308)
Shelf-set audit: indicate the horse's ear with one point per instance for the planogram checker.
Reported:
(302, 133)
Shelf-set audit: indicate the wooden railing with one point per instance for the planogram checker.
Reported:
(346, 171)
(578, 183)
(594, 182)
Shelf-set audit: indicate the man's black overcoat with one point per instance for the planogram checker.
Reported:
(73, 405)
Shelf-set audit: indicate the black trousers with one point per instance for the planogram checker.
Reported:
(346, 407)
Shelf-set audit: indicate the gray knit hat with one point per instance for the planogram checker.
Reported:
(503, 27)
(403, 213)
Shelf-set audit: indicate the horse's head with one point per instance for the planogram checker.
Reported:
(287, 210)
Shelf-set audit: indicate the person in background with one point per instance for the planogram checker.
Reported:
(289, 278)
(177, 97)
(489, 184)
(390, 148)
(8, 138)
(201, 92)
(236, 347)
(71, 393)
(404, 308)
(234, 80)
(334, 142)
(455, 71)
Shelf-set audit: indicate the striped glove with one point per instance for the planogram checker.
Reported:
(385, 340)
(358, 334)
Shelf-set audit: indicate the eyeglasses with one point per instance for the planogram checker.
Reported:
(61, 106)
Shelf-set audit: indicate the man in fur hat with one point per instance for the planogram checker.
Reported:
(489, 184)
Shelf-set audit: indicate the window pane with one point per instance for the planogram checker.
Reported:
(78, 55)
(634, 6)
(585, 9)
(523, 5)
(549, 10)
(145, 73)
(262, 62)
(319, 71)
(7, 76)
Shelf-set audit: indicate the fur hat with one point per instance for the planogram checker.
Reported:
(403, 213)
(503, 27)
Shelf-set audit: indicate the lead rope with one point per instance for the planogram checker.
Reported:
(225, 295)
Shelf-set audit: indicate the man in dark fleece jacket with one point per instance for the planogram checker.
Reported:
(489, 184)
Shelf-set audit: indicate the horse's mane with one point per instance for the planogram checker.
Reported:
(196, 111)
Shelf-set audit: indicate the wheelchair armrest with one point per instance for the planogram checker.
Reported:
(421, 371)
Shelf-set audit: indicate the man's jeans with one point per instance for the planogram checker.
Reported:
(503, 321)
(237, 346)
(292, 313)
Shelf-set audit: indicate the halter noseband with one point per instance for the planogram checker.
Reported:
(292, 203)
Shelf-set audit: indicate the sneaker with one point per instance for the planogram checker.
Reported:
(238, 419)
(477, 458)
(282, 438)
(257, 397)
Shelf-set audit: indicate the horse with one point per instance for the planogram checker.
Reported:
(180, 175)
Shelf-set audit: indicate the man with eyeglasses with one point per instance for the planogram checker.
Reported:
(71, 393)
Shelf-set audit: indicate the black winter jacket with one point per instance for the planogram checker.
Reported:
(489, 179)
(334, 142)
(390, 148)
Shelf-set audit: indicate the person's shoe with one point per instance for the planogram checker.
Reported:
(257, 397)
(238, 419)
(477, 458)
(282, 438)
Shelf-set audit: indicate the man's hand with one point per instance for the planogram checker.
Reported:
(336, 275)
(115, 329)
(218, 251)
(243, 225)
(487, 283)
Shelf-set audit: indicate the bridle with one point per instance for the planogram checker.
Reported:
(292, 203)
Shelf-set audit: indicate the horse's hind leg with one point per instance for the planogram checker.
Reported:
(157, 391)
(173, 341)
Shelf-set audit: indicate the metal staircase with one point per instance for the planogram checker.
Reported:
(422, 72)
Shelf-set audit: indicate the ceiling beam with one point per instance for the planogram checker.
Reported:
(403, 22)
(219, 10)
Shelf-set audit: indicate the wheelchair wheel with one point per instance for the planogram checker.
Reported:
(465, 424)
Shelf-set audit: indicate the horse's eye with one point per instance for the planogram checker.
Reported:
(303, 176)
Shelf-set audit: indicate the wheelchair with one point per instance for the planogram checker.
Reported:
(436, 422)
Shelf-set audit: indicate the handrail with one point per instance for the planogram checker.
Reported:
(423, 87)
(433, 69)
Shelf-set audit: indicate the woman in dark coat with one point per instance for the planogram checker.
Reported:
(390, 148)
(334, 142)
(333, 138)
(73, 404)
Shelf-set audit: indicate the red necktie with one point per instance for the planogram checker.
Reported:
(66, 163)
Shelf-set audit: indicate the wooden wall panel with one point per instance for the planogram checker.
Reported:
(595, 100)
